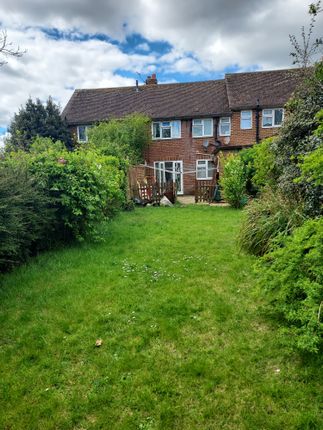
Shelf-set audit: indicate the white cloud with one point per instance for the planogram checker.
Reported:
(206, 36)
(56, 67)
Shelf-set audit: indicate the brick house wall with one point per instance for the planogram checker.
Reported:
(248, 137)
(189, 149)
(186, 148)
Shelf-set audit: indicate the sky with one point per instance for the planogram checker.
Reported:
(106, 43)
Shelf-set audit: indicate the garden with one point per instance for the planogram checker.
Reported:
(194, 317)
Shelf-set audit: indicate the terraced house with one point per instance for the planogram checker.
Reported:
(191, 122)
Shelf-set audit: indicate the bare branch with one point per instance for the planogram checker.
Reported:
(306, 49)
(7, 49)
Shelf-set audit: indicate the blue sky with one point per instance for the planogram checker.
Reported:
(81, 44)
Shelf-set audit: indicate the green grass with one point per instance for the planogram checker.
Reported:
(184, 343)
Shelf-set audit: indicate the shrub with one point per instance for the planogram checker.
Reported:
(233, 182)
(266, 218)
(292, 276)
(125, 138)
(84, 186)
(25, 217)
(260, 168)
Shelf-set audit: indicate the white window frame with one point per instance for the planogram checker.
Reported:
(78, 133)
(160, 165)
(171, 130)
(272, 115)
(206, 164)
(222, 118)
(203, 129)
(241, 119)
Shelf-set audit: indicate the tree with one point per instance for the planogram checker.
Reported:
(125, 138)
(7, 49)
(36, 119)
(306, 49)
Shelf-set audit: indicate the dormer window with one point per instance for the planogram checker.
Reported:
(166, 130)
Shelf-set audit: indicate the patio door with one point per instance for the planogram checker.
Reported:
(166, 171)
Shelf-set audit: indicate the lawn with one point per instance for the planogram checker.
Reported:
(185, 345)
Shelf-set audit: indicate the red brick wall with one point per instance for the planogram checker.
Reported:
(186, 149)
(189, 149)
(248, 137)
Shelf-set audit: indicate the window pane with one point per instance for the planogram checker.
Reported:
(166, 133)
(245, 119)
(245, 124)
(166, 124)
(246, 114)
(210, 169)
(156, 129)
(225, 129)
(225, 119)
(176, 129)
(197, 122)
(82, 133)
(278, 116)
(208, 127)
(267, 121)
(201, 173)
(201, 170)
(197, 131)
(267, 112)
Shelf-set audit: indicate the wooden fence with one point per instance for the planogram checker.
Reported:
(204, 191)
(153, 193)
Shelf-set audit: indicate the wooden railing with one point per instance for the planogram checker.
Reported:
(204, 191)
(153, 193)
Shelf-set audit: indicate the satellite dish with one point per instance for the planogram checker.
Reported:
(205, 145)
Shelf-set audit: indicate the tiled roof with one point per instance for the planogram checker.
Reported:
(183, 100)
(161, 101)
(272, 88)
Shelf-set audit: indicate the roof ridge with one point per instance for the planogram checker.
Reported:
(263, 71)
(150, 86)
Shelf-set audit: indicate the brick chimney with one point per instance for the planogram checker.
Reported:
(152, 80)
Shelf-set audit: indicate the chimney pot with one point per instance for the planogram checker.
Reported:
(152, 80)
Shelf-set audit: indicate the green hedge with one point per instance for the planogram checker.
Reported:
(292, 276)
(51, 194)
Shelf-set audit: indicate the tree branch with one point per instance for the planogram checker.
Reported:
(7, 49)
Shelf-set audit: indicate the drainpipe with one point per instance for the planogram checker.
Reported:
(257, 121)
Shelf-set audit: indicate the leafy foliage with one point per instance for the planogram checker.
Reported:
(126, 138)
(292, 275)
(84, 186)
(233, 182)
(267, 217)
(298, 138)
(35, 119)
(25, 216)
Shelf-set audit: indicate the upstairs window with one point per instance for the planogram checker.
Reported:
(166, 130)
(82, 133)
(272, 117)
(246, 119)
(202, 127)
(204, 169)
(225, 126)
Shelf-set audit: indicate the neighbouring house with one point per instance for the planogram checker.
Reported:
(191, 121)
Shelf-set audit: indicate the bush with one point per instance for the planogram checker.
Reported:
(233, 182)
(84, 186)
(125, 138)
(25, 217)
(292, 276)
(266, 218)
